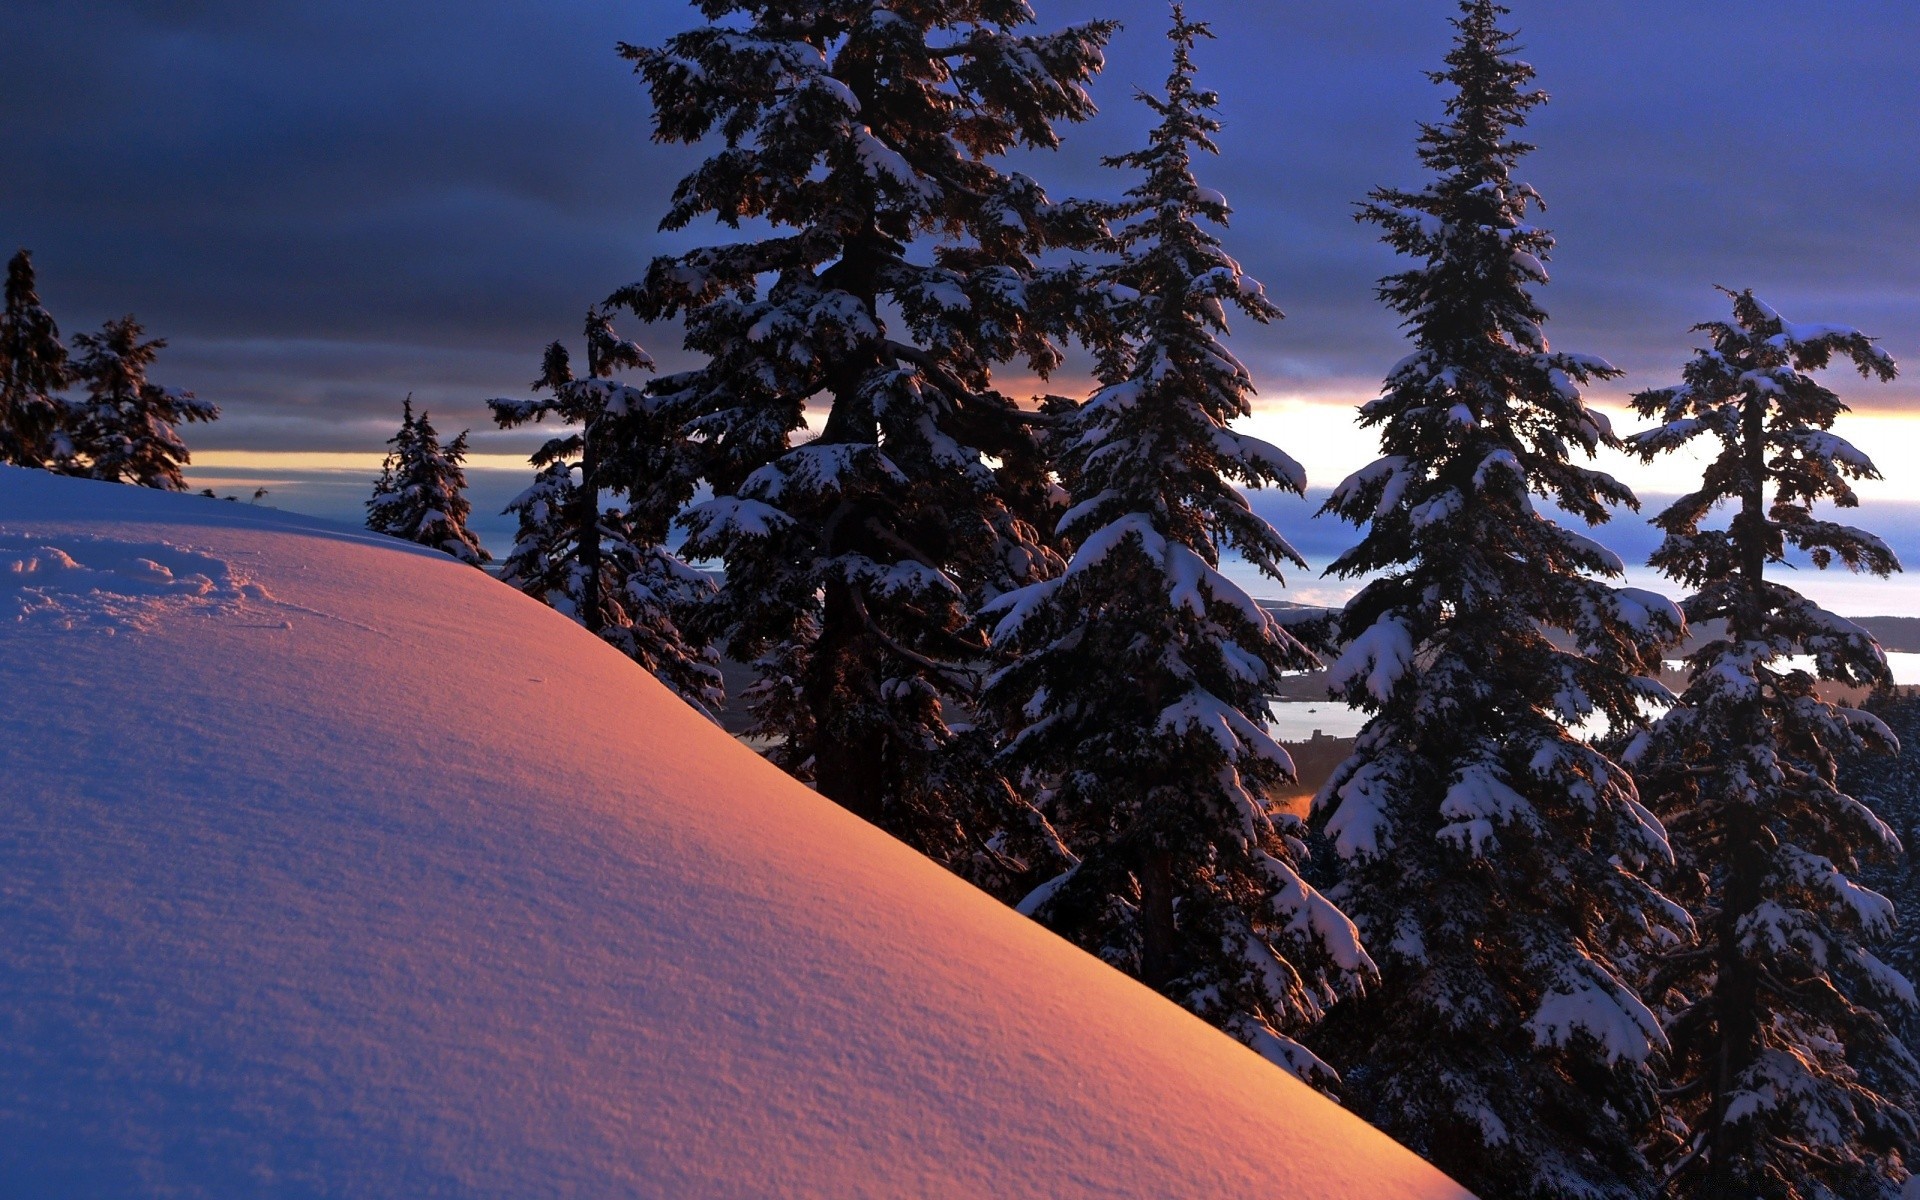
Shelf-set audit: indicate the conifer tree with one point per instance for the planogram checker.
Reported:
(33, 370)
(1495, 862)
(1788, 1081)
(1139, 693)
(1889, 784)
(899, 270)
(608, 567)
(421, 493)
(126, 428)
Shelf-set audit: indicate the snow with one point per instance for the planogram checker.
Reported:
(1381, 653)
(1624, 1027)
(1230, 729)
(1191, 581)
(1313, 914)
(1251, 449)
(287, 911)
(1359, 826)
(1394, 474)
(730, 516)
(881, 161)
(1478, 803)
(1035, 900)
(823, 467)
(109, 585)
(1500, 462)
(1818, 444)
(1646, 613)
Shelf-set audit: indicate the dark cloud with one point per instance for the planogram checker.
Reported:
(327, 205)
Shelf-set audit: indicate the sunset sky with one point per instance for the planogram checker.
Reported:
(326, 206)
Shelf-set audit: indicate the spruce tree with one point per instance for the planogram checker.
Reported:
(1889, 784)
(33, 370)
(898, 268)
(421, 493)
(1788, 1081)
(126, 427)
(608, 567)
(1139, 693)
(1495, 861)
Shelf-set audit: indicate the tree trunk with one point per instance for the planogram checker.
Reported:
(1736, 1006)
(590, 615)
(848, 757)
(847, 760)
(1736, 991)
(1158, 938)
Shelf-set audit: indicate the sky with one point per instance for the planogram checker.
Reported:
(324, 207)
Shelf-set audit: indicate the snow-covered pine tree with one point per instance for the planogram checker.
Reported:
(126, 428)
(609, 567)
(1890, 784)
(1788, 1081)
(1138, 696)
(421, 494)
(33, 370)
(899, 270)
(1494, 860)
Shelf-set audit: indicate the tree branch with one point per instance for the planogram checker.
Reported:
(967, 681)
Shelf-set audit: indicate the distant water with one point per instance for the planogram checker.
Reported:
(1299, 720)
(341, 495)
(1321, 539)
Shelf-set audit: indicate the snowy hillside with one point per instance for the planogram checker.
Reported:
(333, 867)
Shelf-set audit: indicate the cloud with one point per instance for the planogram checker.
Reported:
(328, 205)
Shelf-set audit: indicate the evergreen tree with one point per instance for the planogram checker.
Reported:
(609, 568)
(1788, 1081)
(421, 493)
(125, 429)
(900, 269)
(33, 370)
(1494, 860)
(1139, 696)
(1890, 785)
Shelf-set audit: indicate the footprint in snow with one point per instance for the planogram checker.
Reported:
(83, 582)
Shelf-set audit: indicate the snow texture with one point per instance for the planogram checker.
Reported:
(283, 914)
(109, 585)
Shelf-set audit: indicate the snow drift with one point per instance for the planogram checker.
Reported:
(330, 866)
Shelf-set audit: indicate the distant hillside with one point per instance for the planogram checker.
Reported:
(1898, 634)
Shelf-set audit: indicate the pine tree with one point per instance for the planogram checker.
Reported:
(1138, 696)
(125, 430)
(1788, 1081)
(1494, 860)
(421, 493)
(900, 269)
(1890, 786)
(609, 568)
(33, 370)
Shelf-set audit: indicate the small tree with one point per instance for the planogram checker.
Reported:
(1495, 861)
(33, 370)
(126, 428)
(608, 567)
(1140, 696)
(1788, 1082)
(421, 493)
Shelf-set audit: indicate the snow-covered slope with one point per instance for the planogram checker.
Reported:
(332, 867)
